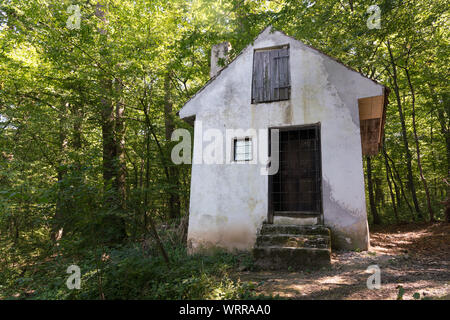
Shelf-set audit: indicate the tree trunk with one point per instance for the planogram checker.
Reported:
(113, 225)
(411, 185)
(400, 181)
(444, 122)
(416, 139)
(388, 169)
(150, 131)
(174, 197)
(373, 208)
(147, 177)
(61, 170)
(121, 171)
(109, 144)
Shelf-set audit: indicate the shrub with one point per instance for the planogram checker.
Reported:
(130, 272)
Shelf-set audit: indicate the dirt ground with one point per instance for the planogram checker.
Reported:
(414, 258)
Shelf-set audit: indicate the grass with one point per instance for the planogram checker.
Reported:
(131, 271)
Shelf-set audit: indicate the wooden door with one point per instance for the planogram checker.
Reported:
(295, 190)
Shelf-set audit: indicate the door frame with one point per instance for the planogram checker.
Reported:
(297, 214)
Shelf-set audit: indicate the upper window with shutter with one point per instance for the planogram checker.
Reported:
(271, 75)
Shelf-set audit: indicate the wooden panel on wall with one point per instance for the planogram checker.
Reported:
(371, 107)
(369, 136)
(371, 112)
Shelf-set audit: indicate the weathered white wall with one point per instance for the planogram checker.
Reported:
(229, 202)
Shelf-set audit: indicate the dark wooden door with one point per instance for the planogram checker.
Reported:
(296, 188)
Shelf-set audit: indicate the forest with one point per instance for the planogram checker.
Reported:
(89, 95)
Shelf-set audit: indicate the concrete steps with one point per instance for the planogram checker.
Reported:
(293, 241)
(294, 229)
(293, 247)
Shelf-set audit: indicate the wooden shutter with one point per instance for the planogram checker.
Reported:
(371, 115)
(271, 75)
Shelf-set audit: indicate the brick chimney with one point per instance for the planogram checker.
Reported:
(219, 52)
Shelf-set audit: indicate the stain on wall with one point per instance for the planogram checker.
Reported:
(228, 202)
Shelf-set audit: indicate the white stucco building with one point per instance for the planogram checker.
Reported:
(327, 116)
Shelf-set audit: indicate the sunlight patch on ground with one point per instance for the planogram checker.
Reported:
(417, 260)
(337, 279)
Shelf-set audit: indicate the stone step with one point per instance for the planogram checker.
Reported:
(295, 241)
(294, 229)
(291, 258)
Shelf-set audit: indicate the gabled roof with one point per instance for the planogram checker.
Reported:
(271, 29)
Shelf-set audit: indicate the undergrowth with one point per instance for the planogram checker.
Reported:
(135, 270)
